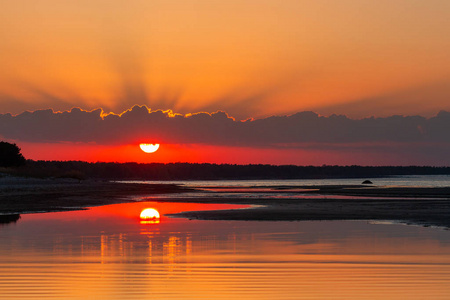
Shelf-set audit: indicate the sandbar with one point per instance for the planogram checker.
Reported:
(426, 206)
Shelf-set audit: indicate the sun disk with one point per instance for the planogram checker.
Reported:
(149, 148)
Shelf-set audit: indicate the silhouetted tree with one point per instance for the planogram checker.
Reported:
(10, 155)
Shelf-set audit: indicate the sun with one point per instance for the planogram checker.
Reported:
(149, 148)
(149, 213)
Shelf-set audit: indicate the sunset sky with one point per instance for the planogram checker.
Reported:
(263, 63)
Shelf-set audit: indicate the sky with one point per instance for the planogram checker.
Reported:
(249, 81)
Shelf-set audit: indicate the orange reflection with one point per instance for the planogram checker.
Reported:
(154, 221)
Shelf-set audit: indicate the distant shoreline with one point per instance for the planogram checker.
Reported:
(422, 206)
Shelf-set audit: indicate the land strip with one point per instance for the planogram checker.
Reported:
(18, 196)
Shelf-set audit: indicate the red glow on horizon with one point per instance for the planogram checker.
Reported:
(196, 153)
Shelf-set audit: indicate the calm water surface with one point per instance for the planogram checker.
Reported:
(108, 253)
(403, 180)
(268, 189)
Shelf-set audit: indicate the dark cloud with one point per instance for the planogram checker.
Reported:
(304, 129)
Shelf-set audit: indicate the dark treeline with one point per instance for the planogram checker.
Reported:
(6, 219)
(192, 171)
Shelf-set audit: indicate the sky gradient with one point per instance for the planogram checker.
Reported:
(250, 59)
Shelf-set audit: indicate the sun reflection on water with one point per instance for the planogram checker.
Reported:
(218, 259)
(150, 216)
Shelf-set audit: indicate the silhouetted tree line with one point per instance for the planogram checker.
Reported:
(10, 155)
(194, 171)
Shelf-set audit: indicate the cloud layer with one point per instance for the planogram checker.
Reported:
(300, 130)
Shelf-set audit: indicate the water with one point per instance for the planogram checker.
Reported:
(404, 180)
(265, 189)
(108, 253)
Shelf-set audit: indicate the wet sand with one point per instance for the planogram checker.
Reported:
(420, 212)
(423, 206)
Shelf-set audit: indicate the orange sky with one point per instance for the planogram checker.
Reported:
(251, 58)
